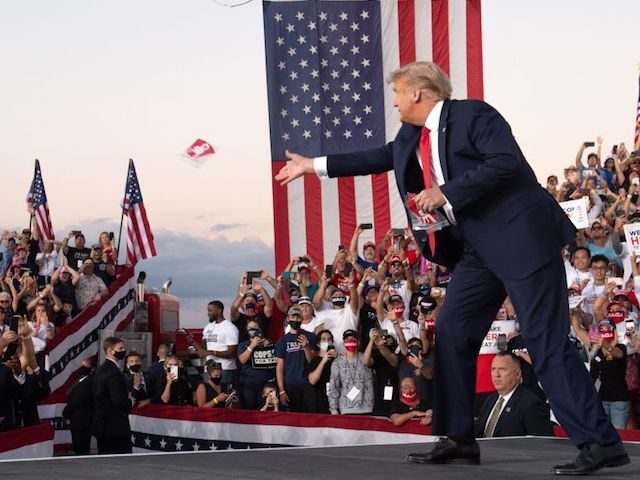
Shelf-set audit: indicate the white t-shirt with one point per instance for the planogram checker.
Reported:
(576, 276)
(591, 293)
(311, 326)
(401, 289)
(221, 336)
(48, 263)
(409, 328)
(337, 321)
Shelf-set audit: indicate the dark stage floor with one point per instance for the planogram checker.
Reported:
(517, 458)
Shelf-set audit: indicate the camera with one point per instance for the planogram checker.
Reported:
(415, 350)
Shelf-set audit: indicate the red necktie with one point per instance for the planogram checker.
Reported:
(425, 156)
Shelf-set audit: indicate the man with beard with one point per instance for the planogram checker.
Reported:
(220, 341)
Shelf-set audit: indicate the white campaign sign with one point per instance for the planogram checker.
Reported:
(576, 210)
(489, 344)
(632, 236)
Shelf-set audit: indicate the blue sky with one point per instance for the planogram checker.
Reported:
(88, 84)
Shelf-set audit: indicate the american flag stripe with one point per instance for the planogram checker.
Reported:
(37, 199)
(314, 217)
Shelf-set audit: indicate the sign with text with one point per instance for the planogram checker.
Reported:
(576, 210)
(264, 357)
(632, 236)
(490, 342)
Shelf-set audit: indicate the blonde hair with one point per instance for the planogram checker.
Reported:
(424, 76)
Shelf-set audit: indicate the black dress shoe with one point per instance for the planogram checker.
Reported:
(449, 451)
(593, 457)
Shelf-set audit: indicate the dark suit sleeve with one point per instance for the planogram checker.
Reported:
(536, 419)
(500, 158)
(118, 393)
(377, 160)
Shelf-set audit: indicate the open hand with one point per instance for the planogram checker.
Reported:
(296, 167)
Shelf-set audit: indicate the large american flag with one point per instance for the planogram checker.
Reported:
(139, 237)
(326, 62)
(636, 141)
(37, 199)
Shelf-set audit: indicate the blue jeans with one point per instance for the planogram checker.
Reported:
(618, 413)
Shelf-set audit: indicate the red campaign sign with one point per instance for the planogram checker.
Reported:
(199, 149)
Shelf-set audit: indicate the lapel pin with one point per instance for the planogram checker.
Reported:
(508, 409)
(444, 129)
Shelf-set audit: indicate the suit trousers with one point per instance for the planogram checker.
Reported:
(114, 446)
(474, 296)
(81, 441)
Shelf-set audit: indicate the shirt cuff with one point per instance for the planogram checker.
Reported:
(320, 167)
(448, 210)
(21, 378)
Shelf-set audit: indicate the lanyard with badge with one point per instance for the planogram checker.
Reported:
(355, 391)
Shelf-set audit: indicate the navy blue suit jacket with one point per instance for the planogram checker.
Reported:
(500, 207)
(524, 414)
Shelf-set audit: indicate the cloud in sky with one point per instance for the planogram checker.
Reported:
(222, 227)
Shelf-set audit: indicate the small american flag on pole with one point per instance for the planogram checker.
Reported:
(636, 141)
(37, 199)
(139, 236)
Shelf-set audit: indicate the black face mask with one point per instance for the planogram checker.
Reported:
(135, 368)
(84, 371)
(120, 355)
(250, 306)
(295, 324)
(216, 380)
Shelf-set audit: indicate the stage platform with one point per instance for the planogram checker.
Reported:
(516, 458)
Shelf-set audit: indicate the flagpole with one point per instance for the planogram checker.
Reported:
(122, 213)
(31, 192)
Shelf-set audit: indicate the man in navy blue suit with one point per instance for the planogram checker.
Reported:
(505, 237)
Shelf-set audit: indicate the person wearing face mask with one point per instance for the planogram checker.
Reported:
(220, 341)
(212, 393)
(246, 306)
(414, 362)
(112, 403)
(294, 352)
(78, 412)
(320, 369)
(175, 389)
(608, 367)
(341, 317)
(380, 355)
(139, 384)
(351, 383)
(394, 315)
(257, 359)
(408, 406)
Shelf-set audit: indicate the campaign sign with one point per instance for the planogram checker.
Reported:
(264, 357)
(632, 236)
(576, 210)
(489, 344)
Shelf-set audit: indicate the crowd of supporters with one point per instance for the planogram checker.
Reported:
(355, 337)
(44, 285)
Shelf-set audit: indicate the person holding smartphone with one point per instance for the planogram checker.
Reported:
(369, 257)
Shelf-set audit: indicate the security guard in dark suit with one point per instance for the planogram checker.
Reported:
(112, 402)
